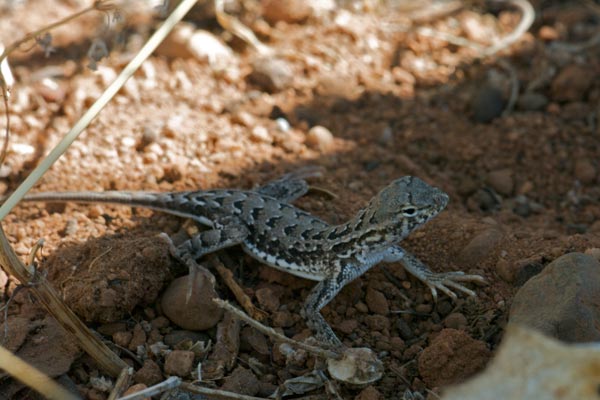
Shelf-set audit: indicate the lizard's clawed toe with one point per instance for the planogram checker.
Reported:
(448, 283)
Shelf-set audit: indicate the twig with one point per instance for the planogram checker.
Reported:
(527, 17)
(238, 29)
(514, 85)
(121, 383)
(98, 5)
(241, 297)
(168, 384)
(102, 101)
(33, 377)
(215, 393)
(327, 354)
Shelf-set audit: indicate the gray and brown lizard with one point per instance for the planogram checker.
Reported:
(282, 236)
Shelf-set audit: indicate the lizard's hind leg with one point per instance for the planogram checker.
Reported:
(290, 186)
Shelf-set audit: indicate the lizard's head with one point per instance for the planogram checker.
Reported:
(407, 203)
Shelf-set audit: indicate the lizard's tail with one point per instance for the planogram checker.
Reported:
(169, 203)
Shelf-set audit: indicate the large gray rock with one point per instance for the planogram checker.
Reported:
(563, 301)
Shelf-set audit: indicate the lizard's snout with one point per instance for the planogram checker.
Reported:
(441, 199)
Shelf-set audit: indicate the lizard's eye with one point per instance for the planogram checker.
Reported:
(409, 211)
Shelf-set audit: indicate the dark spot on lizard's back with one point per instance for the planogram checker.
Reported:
(338, 232)
(239, 204)
(273, 220)
(255, 213)
(219, 200)
(289, 229)
(307, 234)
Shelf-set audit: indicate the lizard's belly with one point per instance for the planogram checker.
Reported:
(285, 262)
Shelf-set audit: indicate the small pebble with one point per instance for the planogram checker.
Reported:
(271, 74)
(585, 171)
(179, 363)
(487, 104)
(369, 393)
(501, 181)
(260, 134)
(138, 387)
(377, 302)
(572, 83)
(347, 326)
(319, 137)
(122, 338)
(282, 124)
(267, 299)
(531, 101)
(282, 319)
(290, 11)
(456, 321)
(241, 381)
(149, 374)
(173, 338)
(199, 313)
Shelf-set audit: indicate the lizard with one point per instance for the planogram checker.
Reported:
(282, 236)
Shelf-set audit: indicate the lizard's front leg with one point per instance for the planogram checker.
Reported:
(318, 298)
(446, 282)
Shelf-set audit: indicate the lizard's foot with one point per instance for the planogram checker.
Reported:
(449, 282)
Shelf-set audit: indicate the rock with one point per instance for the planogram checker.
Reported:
(481, 246)
(572, 83)
(347, 326)
(530, 101)
(377, 302)
(173, 338)
(160, 322)
(200, 313)
(267, 299)
(242, 381)
(452, 357)
(149, 374)
(282, 319)
(271, 74)
(285, 10)
(487, 104)
(501, 181)
(456, 321)
(138, 338)
(186, 42)
(548, 33)
(256, 340)
(377, 322)
(319, 137)
(505, 272)
(133, 389)
(585, 171)
(111, 328)
(403, 76)
(122, 338)
(260, 134)
(204, 46)
(369, 393)
(563, 301)
(179, 362)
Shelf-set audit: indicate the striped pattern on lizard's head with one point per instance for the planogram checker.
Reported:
(403, 205)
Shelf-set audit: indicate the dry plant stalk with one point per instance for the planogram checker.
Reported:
(33, 377)
(241, 297)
